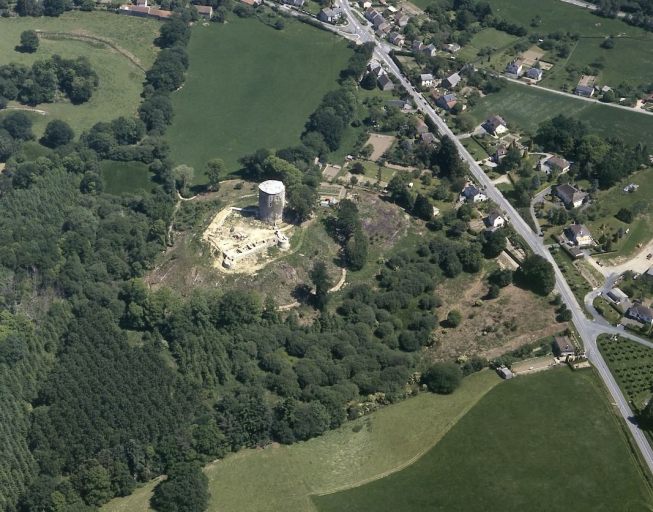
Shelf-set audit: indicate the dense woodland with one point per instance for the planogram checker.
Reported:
(105, 383)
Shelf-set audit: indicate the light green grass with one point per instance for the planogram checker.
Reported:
(606, 310)
(612, 200)
(249, 87)
(559, 16)
(525, 108)
(486, 38)
(120, 80)
(372, 171)
(632, 366)
(281, 478)
(125, 177)
(543, 442)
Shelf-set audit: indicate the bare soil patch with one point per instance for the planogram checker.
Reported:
(490, 327)
(532, 55)
(381, 144)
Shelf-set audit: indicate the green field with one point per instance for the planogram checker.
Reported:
(282, 478)
(632, 366)
(524, 108)
(121, 81)
(249, 87)
(539, 443)
(486, 38)
(125, 177)
(559, 16)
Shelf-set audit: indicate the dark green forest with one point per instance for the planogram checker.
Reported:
(105, 384)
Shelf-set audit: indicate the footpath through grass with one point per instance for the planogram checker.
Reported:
(525, 108)
(543, 442)
(282, 478)
(249, 87)
(120, 80)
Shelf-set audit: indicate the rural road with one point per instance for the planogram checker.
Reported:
(588, 330)
(589, 6)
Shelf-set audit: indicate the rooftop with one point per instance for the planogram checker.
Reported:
(272, 187)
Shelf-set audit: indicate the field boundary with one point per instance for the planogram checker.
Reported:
(92, 39)
(415, 457)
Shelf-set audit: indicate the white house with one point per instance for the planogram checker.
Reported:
(494, 221)
(426, 80)
(471, 194)
(579, 235)
(534, 74)
(516, 68)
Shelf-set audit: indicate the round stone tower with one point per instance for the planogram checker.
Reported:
(271, 201)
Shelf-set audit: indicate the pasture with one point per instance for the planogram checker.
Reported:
(543, 442)
(249, 87)
(125, 177)
(120, 78)
(632, 366)
(524, 108)
(283, 477)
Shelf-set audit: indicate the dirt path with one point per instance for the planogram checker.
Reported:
(86, 37)
(29, 109)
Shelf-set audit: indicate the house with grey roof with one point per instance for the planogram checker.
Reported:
(451, 81)
(640, 313)
(396, 38)
(554, 163)
(579, 235)
(563, 346)
(428, 138)
(494, 221)
(515, 68)
(429, 50)
(446, 101)
(495, 125)
(385, 84)
(586, 91)
(570, 195)
(452, 47)
(535, 74)
(472, 194)
(426, 80)
(330, 15)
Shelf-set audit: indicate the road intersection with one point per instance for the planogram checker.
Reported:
(588, 330)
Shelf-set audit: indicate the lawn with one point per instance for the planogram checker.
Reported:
(249, 87)
(120, 79)
(283, 477)
(486, 38)
(578, 284)
(610, 201)
(632, 366)
(524, 108)
(543, 442)
(125, 177)
(607, 311)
